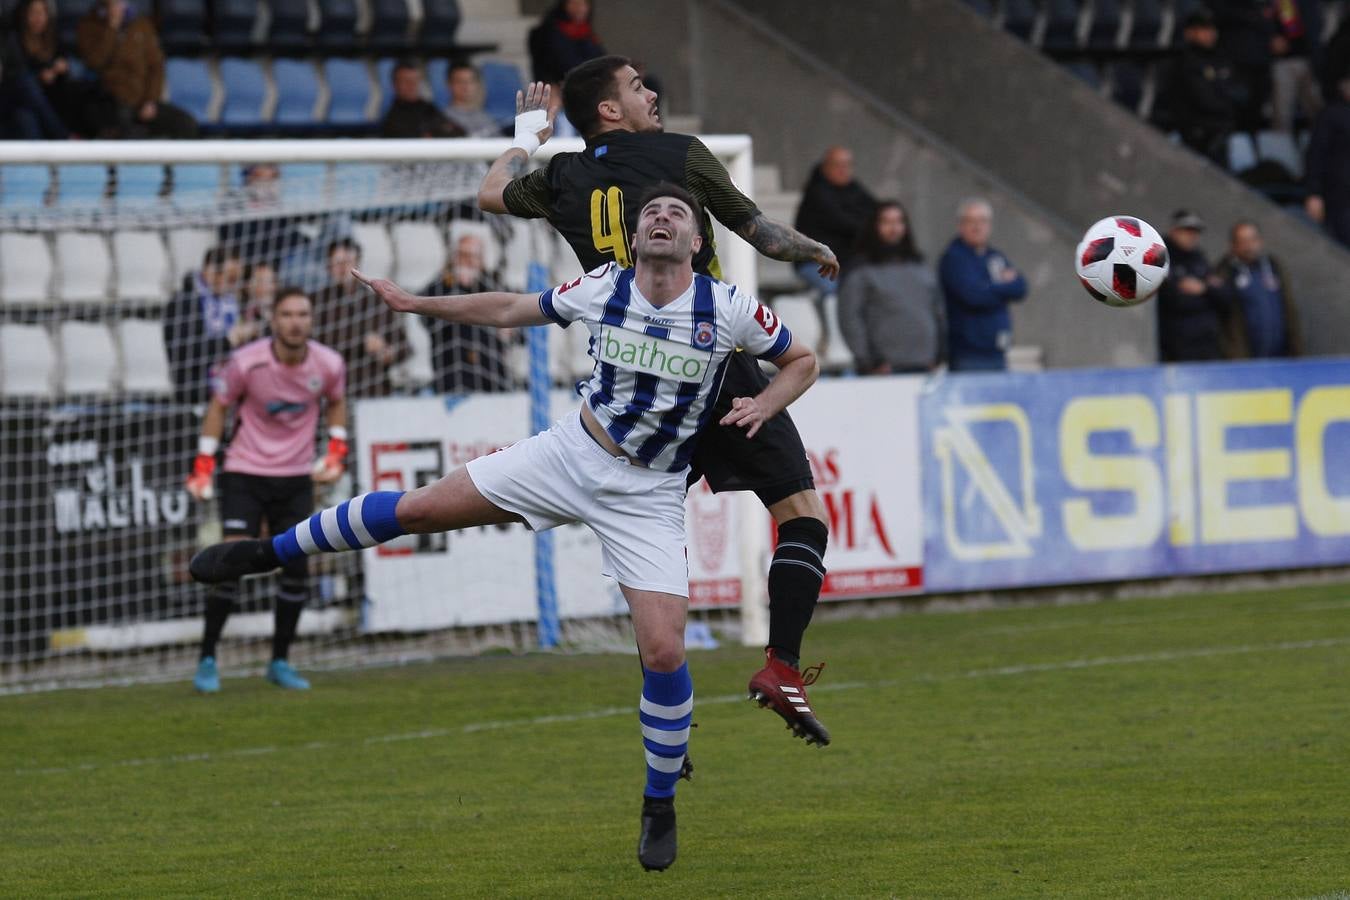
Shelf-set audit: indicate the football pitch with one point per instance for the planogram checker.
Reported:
(1193, 746)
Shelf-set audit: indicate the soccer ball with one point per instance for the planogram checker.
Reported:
(1121, 261)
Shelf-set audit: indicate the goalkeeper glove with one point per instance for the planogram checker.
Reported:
(334, 461)
(199, 483)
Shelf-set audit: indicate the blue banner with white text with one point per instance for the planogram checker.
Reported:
(1101, 475)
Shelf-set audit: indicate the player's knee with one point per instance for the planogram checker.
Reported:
(803, 504)
(664, 655)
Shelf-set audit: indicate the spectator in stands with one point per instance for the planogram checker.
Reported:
(1262, 321)
(1192, 305)
(563, 40)
(82, 108)
(411, 115)
(260, 291)
(25, 113)
(890, 309)
(1328, 164)
(835, 206)
(263, 237)
(1246, 37)
(1200, 93)
(122, 46)
(1297, 57)
(369, 336)
(467, 357)
(978, 283)
(202, 324)
(466, 101)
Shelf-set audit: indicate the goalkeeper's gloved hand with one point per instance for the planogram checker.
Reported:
(199, 483)
(330, 467)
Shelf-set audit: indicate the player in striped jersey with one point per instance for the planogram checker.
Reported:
(662, 339)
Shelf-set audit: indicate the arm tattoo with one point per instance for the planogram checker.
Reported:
(516, 165)
(778, 241)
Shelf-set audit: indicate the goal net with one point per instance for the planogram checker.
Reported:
(127, 273)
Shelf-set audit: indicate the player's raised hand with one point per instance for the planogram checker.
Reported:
(534, 122)
(745, 412)
(828, 263)
(396, 297)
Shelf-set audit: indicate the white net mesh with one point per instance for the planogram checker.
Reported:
(122, 286)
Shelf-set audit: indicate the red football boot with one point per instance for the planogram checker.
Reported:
(782, 688)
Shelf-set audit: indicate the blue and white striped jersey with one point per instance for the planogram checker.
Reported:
(658, 371)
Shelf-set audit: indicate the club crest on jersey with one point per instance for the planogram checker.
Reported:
(314, 384)
(704, 335)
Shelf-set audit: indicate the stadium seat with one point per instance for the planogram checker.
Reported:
(800, 314)
(304, 180)
(1087, 73)
(501, 80)
(440, 22)
(245, 90)
(1104, 33)
(83, 266)
(1061, 25)
(232, 24)
(836, 356)
(195, 185)
(24, 186)
(377, 253)
(419, 253)
(1127, 85)
(338, 28)
(88, 359)
(1146, 24)
(384, 76)
(145, 366)
(140, 266)
(349, 91)
(190, 86)
(182, 25)
(289, 28)
(187, 247)
(390, 20)
(1018, 17)
(81, 185)
(138, 185)
(418, 369)
(25, 268)
(1279, 146)
(1241, 152)
(27, 361)
(297, 93)
(438, 70)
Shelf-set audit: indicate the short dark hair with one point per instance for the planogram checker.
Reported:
(1241, 224)
(588, 84)
(401, 65)
(342, 243)
(291, 290)
(219, 254)
(666, 189)
(457, 64)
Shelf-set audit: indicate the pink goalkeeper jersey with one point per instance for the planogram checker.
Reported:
(278, 406)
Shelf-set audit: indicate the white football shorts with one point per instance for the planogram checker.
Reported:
(562, 475)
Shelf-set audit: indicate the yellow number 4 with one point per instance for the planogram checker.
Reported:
(608, 228)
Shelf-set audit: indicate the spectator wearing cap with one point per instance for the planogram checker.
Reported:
(411, 115)
(1192, 305)
(1263, 321)
(1328, 163)
(1200, 90)
(979, 284)
(466, 101)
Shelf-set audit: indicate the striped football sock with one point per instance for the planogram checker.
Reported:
(362, 521)
(666, 708)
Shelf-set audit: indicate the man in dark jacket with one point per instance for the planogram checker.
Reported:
(202, 324)
(122, 46)
(1200, 91)
(370, 336)
(1192, 307)
(978, 283)
(1328, 177)
(411, 116)
(1263, 323)
(835, 207)
(467, 357)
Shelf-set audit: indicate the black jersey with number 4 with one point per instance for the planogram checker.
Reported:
(591, 197)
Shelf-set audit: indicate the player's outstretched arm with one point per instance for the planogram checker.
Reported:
(778, 241)
(533, 128)
(797, 371)
(495, 309)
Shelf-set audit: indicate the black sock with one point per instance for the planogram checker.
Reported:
(219, 605)
(796, 576)
(292, 592)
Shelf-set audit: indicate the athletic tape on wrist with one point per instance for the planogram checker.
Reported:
(207, 446)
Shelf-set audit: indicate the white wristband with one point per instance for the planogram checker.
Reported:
(207, 446)
(528, 126)
(337, 433)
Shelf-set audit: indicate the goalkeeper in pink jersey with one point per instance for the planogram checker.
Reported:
(277, 386)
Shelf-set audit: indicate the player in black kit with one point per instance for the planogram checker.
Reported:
(591, 199)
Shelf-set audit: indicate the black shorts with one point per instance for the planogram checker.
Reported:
(773, 463)
(246, 500)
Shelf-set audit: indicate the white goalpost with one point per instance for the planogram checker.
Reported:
(100, 404)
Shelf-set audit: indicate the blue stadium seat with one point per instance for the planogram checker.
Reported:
(189, 82)
(139, 185)
(182, 25)
(338, 29)
(81, 185)
(289, 30)
(440, 21)
(389, 26)
(23, 186)
(195, 185)
(297, 93)
(1087, 73)
(1018, 17)
(349, 91)
(1127, 85)
(438, 70)
(384, 75)
(232, 24)
(1061, 25)
(1146, 24)
(1279, 146)
(1241, 152)
(1104, 32)
(501, 80)
(245, 90)
(303, 180)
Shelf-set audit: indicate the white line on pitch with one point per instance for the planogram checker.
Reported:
(613, 711)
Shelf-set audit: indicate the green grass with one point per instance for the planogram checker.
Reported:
(1186, 747)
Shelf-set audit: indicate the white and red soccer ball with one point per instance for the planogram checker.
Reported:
(1122, 261)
